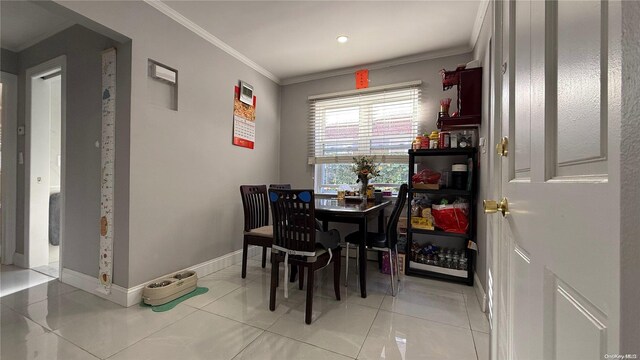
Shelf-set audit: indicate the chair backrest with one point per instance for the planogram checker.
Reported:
(256, 206)
(294, 223)
(392, 225)
(280, 186)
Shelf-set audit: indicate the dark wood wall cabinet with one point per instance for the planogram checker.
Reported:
(469, 84)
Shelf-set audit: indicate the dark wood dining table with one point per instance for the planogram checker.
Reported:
(341, 211)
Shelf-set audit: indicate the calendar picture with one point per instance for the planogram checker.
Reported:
(244, 121)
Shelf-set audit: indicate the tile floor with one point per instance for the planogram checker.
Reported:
(427, 320)
(14, 279)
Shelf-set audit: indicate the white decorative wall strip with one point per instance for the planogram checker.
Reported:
(107, 166)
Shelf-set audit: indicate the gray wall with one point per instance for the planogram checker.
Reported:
(630, 183)
(295, 107)
(295, 110)
(83, 49)
(8, 61)
(482, 52)
(185, 205)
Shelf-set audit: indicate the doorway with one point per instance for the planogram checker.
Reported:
(44, 166)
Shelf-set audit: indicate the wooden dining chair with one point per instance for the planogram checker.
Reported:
(294, 270)
(257, 230)
(386, 241)
(280, 186)
(296, 241)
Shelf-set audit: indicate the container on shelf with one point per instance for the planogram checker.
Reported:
(444, 140)
(433, 140)
(459, 176)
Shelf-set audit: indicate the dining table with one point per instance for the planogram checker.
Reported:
(353, 212)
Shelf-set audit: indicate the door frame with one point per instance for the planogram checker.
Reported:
(56, 64)
(9, 164)
(494, 275)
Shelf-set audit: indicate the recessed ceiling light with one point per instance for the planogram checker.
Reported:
(342, 39)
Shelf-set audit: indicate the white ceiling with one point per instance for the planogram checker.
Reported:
(292, 39)
(23, 23)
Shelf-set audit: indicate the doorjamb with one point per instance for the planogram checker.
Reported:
(9, 165)
(495, 134)
(58, 63)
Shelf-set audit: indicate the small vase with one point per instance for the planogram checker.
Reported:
(364, 183)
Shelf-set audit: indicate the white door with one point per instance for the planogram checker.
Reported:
(558, 256)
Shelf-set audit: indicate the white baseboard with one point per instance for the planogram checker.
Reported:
(19, 260)
(92, 285)
(133, 295)
(480, 293)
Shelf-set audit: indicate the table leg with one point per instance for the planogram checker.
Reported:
(362, 264)
(380, 230)
(381, 221)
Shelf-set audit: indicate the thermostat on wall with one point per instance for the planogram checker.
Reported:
(246, 93)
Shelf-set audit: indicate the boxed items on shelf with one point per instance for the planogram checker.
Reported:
(422, 223)
(421, 217)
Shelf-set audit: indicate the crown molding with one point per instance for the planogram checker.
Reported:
(198, 30)
(477, 25)
(379, 65)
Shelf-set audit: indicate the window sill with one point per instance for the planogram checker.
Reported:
(330, 196)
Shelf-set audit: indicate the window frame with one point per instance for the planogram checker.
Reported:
(364, 142)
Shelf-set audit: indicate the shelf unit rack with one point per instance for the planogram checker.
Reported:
(414, 268)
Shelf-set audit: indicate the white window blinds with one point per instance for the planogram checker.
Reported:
(380, 122)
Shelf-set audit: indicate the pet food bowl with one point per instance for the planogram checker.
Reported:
(165, 290)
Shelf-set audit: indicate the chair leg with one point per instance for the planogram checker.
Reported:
(337, 263)
(307, 316)
(397, 265)
(274, 283)
(293, 274)
(393, 288)
(264, 256)
(358, 259)
(245, 248)
(301, 275)
(346, 271)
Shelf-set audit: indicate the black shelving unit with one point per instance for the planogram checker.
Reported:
(414, 268)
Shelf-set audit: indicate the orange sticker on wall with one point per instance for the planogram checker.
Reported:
(362, 79)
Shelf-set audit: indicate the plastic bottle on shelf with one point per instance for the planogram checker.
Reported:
(433, 140)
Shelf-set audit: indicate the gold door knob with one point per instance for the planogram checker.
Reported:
(492, 207)
(502, 148)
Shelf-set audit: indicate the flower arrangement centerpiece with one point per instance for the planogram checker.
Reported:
(365, 168)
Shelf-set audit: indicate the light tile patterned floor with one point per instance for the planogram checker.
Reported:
(427, 320)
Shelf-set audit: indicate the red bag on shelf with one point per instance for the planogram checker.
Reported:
(452, 217)
(426, 176)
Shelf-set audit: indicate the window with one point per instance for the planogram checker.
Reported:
(380, 122)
